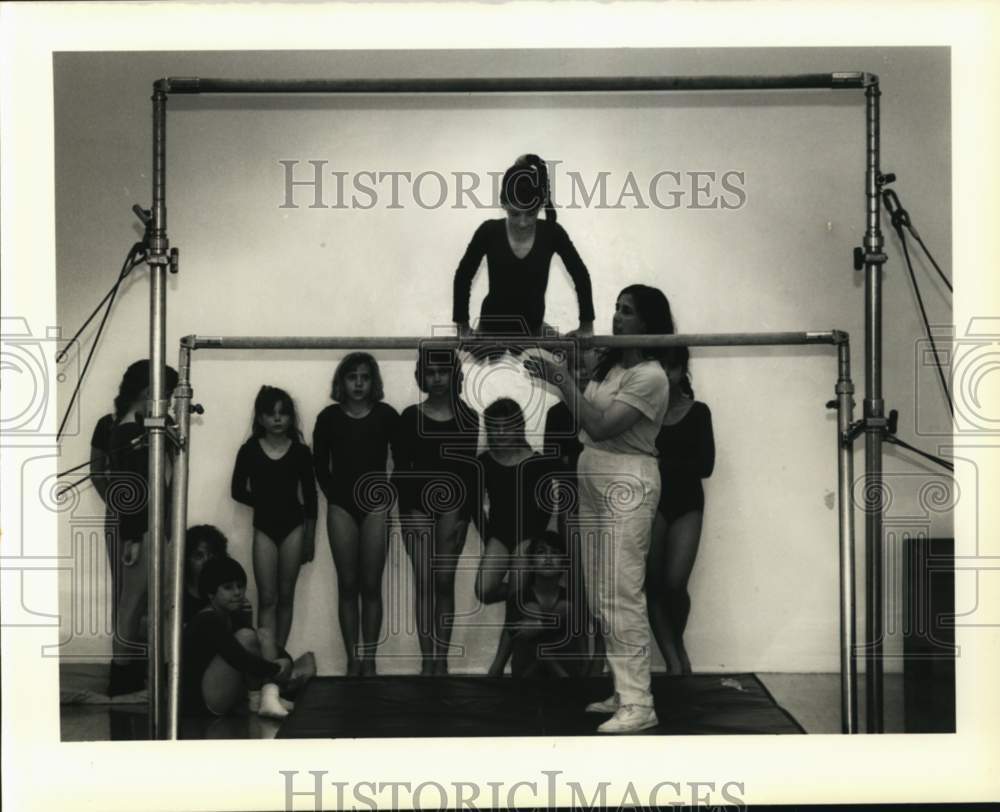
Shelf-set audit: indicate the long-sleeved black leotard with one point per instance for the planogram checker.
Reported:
(435, 469)
(210, 635)
(350, 454)
(271, 487)
(686, 456)
(520, 497)
(516, 297)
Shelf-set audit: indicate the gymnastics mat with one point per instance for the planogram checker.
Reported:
(411, 706)
(86, 683)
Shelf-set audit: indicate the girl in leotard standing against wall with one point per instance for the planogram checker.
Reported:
(434, 456)
(351, 449)
(518, 250)
(272, 467)
(687, 455)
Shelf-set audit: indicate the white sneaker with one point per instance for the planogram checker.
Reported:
(609, 705)
(630, 719)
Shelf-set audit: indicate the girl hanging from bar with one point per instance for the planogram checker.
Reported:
(435, 477)
(274, 475)
(518, 250)
(351, 449)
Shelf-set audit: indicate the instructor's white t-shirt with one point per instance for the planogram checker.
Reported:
(644, 387)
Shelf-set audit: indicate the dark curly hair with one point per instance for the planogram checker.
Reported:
(220, 571)
(205, 534)
(135, 379)
(654, 310)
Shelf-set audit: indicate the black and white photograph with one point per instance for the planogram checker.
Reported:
(582, 423)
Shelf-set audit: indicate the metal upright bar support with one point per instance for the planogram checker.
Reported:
(874, 412)
(845, 485)
(182, 409)
(157, 413)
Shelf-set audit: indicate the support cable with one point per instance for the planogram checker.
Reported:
(136, 256)
(900, 220)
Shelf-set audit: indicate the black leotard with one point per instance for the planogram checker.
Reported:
(520, 497)
(271, 487)
(350, 455)
(687, 455)
(516, 296)
(101, 438)
(435, 461)
(210, 635)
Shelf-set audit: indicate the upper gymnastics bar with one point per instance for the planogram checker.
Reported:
(195, 342)
(557, 84)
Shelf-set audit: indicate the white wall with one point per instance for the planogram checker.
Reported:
(765, 584)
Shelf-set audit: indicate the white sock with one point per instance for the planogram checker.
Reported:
(253, 702)
(270, 702)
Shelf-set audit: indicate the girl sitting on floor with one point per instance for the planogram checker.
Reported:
(224, 658)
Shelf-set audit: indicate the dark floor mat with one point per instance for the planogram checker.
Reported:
(403, 707)
(86, 683)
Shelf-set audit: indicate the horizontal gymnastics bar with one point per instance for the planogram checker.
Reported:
(195, 342)
(564, 84)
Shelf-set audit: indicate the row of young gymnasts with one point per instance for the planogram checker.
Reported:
(600, 471)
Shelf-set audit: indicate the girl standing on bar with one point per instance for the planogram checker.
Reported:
(518, 250)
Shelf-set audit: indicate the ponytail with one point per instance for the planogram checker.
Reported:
(528, 180)
(542, 171)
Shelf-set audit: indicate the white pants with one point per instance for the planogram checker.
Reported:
(618, 495)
